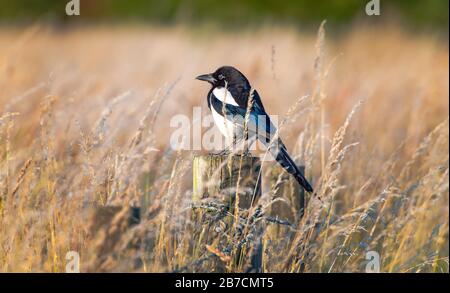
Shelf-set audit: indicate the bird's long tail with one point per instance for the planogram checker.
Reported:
(281, 155)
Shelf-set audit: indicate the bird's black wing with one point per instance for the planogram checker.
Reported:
(208, 97)
(258, 108)
(257, 103)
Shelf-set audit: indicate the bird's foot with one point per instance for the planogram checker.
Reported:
(245, 153)
(229, 151)
(225, 152)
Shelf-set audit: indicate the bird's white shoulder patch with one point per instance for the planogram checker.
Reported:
(224, 96)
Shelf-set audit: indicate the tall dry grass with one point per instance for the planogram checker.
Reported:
(84, 123)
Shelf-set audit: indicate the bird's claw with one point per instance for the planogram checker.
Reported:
(224, 152)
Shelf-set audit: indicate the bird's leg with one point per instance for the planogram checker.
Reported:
(238, 145)
(230, 149)
(244, 146)
(224, 152)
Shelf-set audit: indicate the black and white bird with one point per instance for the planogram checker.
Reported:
(243, 122)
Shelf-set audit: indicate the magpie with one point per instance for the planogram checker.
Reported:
(239, 114)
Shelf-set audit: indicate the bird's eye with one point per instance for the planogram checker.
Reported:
(221, 77)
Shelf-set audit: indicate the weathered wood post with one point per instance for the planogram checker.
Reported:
(227, 181)
(221, 177)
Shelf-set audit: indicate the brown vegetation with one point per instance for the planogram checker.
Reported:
(84, 123)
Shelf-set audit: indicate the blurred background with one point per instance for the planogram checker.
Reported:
(230, 14)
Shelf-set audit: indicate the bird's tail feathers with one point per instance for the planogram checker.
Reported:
(282, 157)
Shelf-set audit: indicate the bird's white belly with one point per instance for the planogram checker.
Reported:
(225, 127)
(223, 95)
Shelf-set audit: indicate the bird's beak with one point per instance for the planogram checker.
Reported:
(206, 77)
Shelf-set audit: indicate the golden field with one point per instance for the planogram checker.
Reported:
(84, 123)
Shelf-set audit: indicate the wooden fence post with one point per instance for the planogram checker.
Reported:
(216, 177)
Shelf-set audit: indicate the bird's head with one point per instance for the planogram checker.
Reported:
(225, 76)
